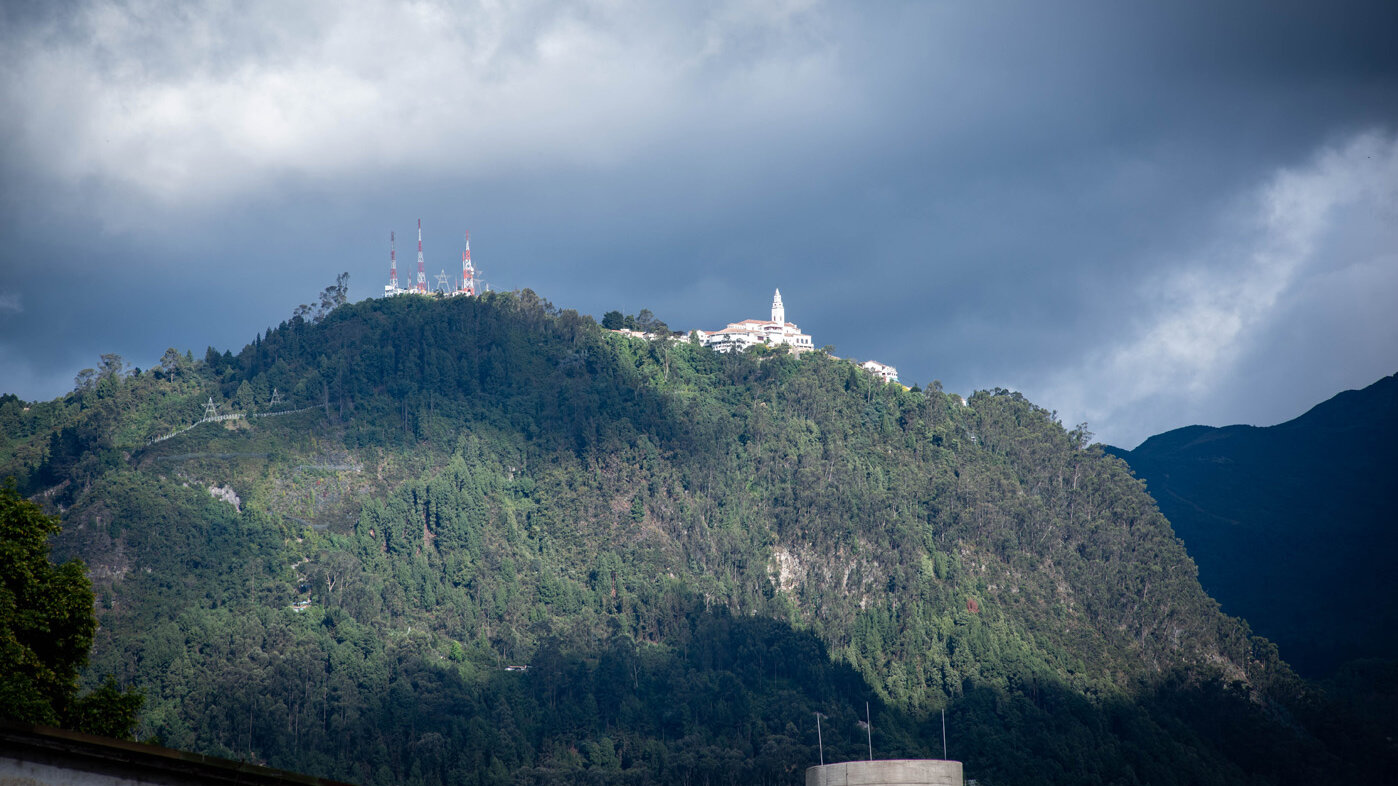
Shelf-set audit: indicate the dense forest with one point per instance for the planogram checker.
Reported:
(1292, 525)
(484, 540)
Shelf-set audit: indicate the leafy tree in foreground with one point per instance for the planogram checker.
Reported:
(46, 627)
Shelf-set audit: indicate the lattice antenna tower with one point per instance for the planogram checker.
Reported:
(468, 271)
(421, 271)
(392, 262)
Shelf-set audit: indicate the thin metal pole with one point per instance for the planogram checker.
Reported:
(820, 741)
(869, 727)
(944, 734)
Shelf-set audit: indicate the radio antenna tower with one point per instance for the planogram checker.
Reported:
(468, 271)
(421, 272)
(392, 287)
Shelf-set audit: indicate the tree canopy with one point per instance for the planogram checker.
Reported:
(46, 628)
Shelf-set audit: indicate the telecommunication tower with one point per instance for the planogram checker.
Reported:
(421, 272)
(392, 288)
(468, 271)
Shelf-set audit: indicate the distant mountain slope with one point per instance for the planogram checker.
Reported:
(1295, 526)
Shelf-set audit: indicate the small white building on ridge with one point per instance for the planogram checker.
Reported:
(881, 370)
(776, 331)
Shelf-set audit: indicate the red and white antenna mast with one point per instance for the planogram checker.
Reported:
(421, 272)
(392, 263)
(468, 271)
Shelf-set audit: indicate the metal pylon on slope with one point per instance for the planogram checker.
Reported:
(276, 398)
(210, 409)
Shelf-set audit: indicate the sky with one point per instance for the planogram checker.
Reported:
(1142, 216)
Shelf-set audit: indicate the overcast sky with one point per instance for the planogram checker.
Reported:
(1143, 216)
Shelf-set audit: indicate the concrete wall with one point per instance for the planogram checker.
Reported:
(899, 772)
(37, 756)
(14, 772)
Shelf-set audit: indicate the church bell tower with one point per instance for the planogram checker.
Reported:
(778, 312)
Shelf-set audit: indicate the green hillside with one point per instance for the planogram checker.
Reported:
(692, 554)
(1293, 525)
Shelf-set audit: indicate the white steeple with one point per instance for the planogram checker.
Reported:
(778, 312)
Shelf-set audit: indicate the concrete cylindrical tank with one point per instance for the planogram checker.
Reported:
(890, 772)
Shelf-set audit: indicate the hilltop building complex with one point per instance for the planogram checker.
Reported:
(738, 336)
(772, 332)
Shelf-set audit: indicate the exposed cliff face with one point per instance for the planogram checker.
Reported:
(489, 482)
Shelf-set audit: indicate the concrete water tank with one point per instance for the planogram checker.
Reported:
(899, 772)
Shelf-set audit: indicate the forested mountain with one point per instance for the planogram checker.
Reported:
(1293, 526)
(692, 553)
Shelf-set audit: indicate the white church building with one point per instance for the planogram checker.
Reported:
(776, 331)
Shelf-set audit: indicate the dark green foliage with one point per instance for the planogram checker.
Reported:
(692, 552)
(1292, 525)
(46, 627)
(646, 322)
(107, 711)
(46, 620)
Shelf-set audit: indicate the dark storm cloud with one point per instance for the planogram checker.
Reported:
(1070, 199)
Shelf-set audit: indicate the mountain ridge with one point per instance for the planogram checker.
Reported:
(526, 488)
(1283, 518)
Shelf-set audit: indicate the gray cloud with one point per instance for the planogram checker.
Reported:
(211, 102)
(1235, 302)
